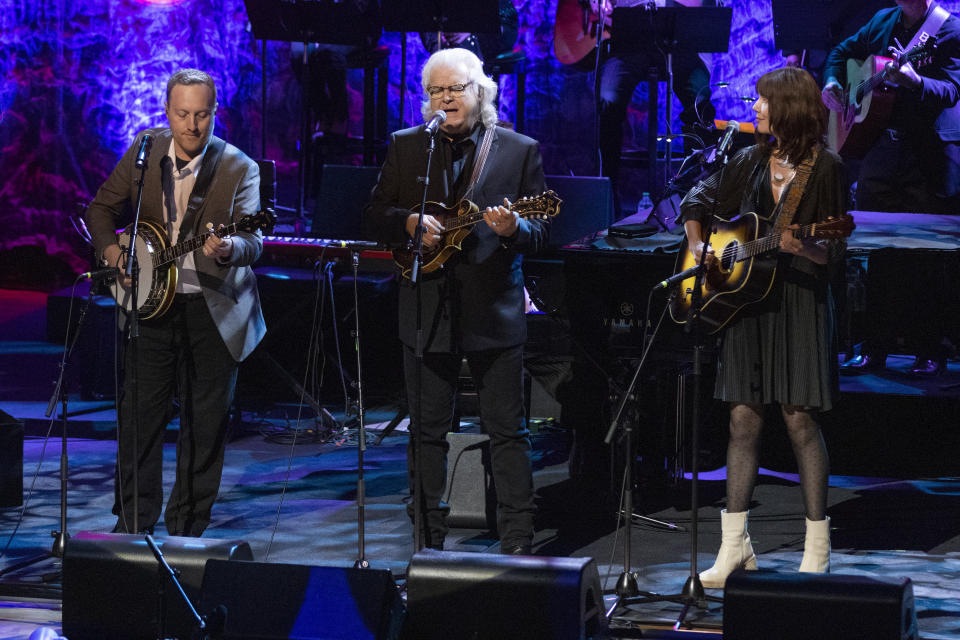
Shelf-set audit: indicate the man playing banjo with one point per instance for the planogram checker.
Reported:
(194, 182)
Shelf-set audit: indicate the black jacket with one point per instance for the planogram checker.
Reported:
(476, 301)
(937, 104)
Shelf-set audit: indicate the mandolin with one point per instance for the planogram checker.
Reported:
(458, 220)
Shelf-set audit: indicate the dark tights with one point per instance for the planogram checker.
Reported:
(743, 453)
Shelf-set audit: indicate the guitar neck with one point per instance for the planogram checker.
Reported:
(168, 255)
(771, 242)
(871, 83)
(874, 81)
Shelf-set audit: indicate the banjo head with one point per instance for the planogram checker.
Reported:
(152, 283)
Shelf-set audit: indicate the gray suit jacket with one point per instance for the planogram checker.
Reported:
(230, 290)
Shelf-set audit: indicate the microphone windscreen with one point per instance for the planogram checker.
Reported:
(745, 127)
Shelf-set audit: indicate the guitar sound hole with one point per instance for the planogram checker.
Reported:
(729, 256)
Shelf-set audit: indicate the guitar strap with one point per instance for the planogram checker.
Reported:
(211, 160)
(795, 191)
(935, 19)
(481, 159)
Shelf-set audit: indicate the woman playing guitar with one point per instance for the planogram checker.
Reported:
(781, 349)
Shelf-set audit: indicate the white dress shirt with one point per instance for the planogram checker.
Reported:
(177, 187)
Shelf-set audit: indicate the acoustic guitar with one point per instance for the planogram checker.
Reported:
(743, 272)
(458, 220)
(158, 261)
(868, 102)
(577, 24)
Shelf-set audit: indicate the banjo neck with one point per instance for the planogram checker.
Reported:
(172, 253)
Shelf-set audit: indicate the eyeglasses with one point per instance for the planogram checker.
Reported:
(456, 90)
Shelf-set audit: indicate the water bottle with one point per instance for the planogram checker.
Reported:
(645, 204)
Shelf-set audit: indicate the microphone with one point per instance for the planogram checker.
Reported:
(356, 245)
(678, 277)
(106, 272)
(723, 147)
(144, 151)
(745, 127)
(439, 117)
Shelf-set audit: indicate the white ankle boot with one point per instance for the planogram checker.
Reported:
(736, 552)
(816, 547)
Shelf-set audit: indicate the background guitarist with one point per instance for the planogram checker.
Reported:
(474, 306)
(913, 166)
(192, 351)
(619, 76)
(781, 350)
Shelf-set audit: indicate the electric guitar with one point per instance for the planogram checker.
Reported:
(868, 102)
(742, 273)
(157, 284)
(458, 220)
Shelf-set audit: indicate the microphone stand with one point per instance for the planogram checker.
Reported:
(206, 626)
(60, 537)
(627, 583)
(692, 592)
(132, 271)
(356, 248)
(418, 503)
(600, 26)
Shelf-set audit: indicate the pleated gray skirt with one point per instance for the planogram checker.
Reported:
(782, 350)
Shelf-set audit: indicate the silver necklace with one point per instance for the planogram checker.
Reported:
(779, 177)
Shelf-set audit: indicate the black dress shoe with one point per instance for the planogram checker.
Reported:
(516, 549)
(862, 364)
(119, 528)
(928, 367)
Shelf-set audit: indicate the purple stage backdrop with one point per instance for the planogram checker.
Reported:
(80, 78)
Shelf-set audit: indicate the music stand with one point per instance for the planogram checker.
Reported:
(481, 16)
(675, 29)
(306, 21)
(798, 25)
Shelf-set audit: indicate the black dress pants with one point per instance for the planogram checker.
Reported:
(498, 376)
(619, 77)
(178, 355)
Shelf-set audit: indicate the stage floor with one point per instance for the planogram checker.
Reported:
(295, 503)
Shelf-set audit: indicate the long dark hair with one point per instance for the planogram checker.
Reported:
(796, 111)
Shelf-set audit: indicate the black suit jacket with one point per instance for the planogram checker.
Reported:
(476, 300)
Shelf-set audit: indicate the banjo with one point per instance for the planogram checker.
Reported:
(158, 261)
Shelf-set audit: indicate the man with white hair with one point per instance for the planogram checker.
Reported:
(473, 306)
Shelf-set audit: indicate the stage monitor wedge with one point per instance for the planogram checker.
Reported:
(273, 601)
(110, 584)
(491, 597)
(760, 605)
